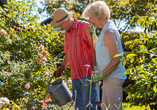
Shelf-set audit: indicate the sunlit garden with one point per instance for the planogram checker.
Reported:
(31, 51)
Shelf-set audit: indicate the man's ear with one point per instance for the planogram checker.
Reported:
(69, 19)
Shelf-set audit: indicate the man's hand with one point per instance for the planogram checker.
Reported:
(97, 76)
(59, 71)
(90, 30)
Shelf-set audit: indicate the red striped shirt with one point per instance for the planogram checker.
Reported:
(78, 48)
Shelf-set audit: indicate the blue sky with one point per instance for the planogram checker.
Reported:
(44, 16)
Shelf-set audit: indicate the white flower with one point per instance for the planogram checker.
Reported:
(5, 100)
(1, 102)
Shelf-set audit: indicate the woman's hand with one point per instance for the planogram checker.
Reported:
(97, 76)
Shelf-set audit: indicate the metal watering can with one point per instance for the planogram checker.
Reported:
(59, 91)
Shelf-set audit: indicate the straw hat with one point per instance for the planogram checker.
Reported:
(61, 15)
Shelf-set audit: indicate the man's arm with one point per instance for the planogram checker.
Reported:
(65, 61)
(62, 67)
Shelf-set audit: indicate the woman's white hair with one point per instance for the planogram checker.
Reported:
(98, 10)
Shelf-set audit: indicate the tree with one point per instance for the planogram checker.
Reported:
(130, 11)
(121, 11)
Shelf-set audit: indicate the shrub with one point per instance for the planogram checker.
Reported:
(29, 53)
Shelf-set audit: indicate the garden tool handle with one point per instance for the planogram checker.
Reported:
(63, 77)
(94, 59)
(93, 50)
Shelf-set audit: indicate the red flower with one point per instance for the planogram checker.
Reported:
(99, 104)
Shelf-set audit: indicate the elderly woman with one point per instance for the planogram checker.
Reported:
(108, 44)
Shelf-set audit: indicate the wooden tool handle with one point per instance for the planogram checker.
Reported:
(94, 58)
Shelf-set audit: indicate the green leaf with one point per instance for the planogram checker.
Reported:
(154, 60)
(118, 55)
(155, 88)
(154, 50)
(48, 40)
(143, 49)
(155, 8)
(130, 55)
(132, 60)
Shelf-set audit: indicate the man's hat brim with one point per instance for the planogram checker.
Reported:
(57, 23)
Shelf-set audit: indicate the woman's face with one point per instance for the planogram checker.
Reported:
(94, 21)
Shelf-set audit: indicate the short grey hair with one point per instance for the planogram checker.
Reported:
(98, 10)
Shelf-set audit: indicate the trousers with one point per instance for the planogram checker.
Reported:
(112, 93)
(81, 94)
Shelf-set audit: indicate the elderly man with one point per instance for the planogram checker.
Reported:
(78, 50)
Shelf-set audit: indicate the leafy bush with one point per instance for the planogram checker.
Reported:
(29, 53)
(141, 63)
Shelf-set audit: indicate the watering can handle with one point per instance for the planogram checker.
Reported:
(63, 77)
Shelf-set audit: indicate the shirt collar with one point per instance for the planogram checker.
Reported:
(75, 23)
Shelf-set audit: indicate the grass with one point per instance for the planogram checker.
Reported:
(126, 106)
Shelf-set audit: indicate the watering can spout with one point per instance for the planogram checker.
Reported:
(53, 102)
(36, 101)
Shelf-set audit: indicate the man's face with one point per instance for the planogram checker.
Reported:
(65, 25)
